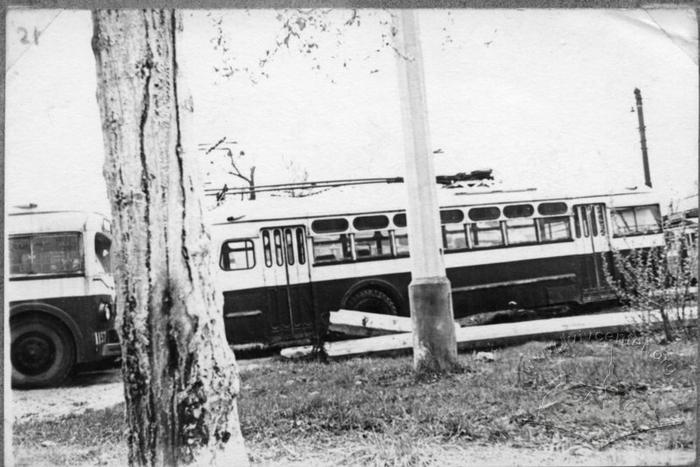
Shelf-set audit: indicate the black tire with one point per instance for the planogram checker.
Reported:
(372, 301)
(42, 352)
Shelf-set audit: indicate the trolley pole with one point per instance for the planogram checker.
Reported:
(434, 341)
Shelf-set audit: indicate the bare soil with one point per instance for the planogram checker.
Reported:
(85, 391)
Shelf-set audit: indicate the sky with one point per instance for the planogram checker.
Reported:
(543, 97)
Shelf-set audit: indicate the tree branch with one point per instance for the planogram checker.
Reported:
(643, 430)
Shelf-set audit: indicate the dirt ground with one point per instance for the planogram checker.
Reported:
(95, 391)
(85, 391)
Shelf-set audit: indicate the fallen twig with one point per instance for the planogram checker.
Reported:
(644, 430)
(619, 390)
(551, 425)
(551, 404)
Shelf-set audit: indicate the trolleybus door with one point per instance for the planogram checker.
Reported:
(591, 231)
(287, 279)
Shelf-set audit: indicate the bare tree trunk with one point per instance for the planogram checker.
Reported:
(180, 376)
(251, 182)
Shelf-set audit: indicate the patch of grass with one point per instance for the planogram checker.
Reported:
(532, 396)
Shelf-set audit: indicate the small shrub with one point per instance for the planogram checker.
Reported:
(659, 281)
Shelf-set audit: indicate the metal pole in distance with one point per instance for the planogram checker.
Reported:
(434, 341)
(642, 137)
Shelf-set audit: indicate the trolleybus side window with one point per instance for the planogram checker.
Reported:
(519, 227)
(636, 220)
(372, 244)
(400, 235)
(453, 231)
(518, 210)
(237, 254)
(332, 248)
(289, 245)
(600, 215)
(552, 209)
(370, 222)
(577, 222)
(451, 216)
(46, 254)
(484, 214)
(485, 231)
(301, 245)
(102, 245)
(323, 226)
(486, 234)
(454, 237)
(267, 248)
(553, 229)
(20, 256)
(401, 242)
(591, 217)
(521, 230)
(279, 254)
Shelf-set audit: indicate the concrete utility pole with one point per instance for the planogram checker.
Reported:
(434, 342)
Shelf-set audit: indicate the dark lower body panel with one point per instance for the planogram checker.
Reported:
(262, 315)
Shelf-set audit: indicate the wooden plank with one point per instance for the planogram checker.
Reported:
(595, 327)
(369, 345)
(533, 280)
(350, 321)
(355, 331)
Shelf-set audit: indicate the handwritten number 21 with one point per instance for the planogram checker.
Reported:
(25, 36)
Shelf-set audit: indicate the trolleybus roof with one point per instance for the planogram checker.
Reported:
(23, 222)
(388, 198)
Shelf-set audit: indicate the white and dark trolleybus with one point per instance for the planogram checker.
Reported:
(60, 294)
(283, 263)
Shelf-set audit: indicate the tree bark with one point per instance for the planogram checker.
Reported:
(251, 182)
(180, 376)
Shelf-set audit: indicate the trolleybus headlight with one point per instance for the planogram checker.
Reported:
(105, 310)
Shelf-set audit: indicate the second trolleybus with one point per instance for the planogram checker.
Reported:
(61, 294)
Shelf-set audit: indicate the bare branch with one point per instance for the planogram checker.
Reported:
(216, 145)
(640, 431)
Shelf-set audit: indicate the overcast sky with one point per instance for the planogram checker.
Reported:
(544, 97)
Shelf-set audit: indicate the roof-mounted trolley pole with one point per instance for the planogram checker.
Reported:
(642, 135)
(434, 342)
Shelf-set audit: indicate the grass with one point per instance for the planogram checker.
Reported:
(598, 396)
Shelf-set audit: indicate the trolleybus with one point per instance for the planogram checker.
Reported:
(60, 294)
(283, 263)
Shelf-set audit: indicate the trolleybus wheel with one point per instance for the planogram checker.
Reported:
(42, 353)
(372, 301)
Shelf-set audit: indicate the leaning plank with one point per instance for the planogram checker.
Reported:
(593, 327)
(369, 345)
(603, 326)
(367, 324)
